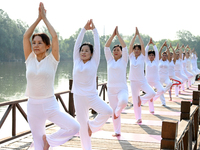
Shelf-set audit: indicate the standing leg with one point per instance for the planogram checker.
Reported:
(160, 90)
(68, 125)
(82, 108)
(113, 101)
(122, 103)
(135, 89)
(148, 90)
(36, 120)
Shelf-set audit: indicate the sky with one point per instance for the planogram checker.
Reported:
(160, 19)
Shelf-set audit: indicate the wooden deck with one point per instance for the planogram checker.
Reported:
(145, 136)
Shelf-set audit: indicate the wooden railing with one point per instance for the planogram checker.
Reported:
(183, 135)
(13, 105)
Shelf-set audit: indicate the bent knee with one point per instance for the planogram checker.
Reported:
(108, 111)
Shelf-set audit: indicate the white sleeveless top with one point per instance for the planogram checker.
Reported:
(136, 67)
(184, 62)
(163, 69)
(116, 70)
(40, 76)
(171, 69)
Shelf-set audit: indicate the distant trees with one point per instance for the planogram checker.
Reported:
(11, 40)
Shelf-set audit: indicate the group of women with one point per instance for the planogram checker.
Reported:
(161, 68)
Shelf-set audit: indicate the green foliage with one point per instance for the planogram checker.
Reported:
(11, 40)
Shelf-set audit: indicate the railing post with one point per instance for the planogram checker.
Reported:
(14, 120)
(169, 134)
(71, 100)
(185, 114)
(185, 110)
(196, 96)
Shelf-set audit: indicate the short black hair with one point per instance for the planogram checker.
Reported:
(45, 38)
(90, 46)
(137, 45)
(117, 46)
(151, 52)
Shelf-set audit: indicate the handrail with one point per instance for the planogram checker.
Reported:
(183, 136)
(12, 105)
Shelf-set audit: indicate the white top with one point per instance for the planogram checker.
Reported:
(116, 70)
(188, 64)
(84, 74)
(163, 68)
(171, 69)
(40, 76)
(193, 61)
(184, 62)
(178, 65)
(136, 67)
(152, 67)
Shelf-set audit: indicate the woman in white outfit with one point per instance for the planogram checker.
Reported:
(116, 72)
(187, 73)
(40, 73)
(137, 78)
(189, 66)
(152, 76)
(177, 81)
(164, 71)
(86, 62)
(179, 69)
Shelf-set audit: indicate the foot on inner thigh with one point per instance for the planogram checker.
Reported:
(151, 100)
(89, 130)
(115, 117)
(116, 135)
(46, 144)
(139, 101)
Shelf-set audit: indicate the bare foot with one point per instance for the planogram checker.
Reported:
(139, 101)
(116, 135)
(115, 117)
(152, 112)
(170, 99)
(151, 100)
(139, 121)
(89, 131)
(46, 144)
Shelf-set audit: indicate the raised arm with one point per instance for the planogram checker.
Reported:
(160, 52)
(168, 53)
(147, 49)
(174, 53)
(27, 35)
(96, 53)
(107, 51)
(181, 52)
(131, 44)
(141, 42)
(55, 43)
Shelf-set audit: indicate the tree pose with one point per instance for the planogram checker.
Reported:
(172, 76)
(137, 78)
(86, 61)
(187, 73)
(152, 75)
(116, 71)
(40, 73)
(164, 70)
(179, 69)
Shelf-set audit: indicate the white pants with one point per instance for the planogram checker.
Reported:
(165, 80)
(40, 110)
(190, 76)
(136, 86)
(82, 106)
(183, 77)
(118, 100)
(193, 77)
(178, 82)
